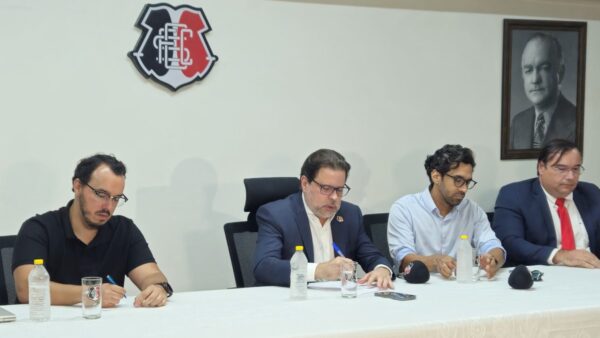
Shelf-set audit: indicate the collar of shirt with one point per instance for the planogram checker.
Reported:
(66, 221)
(552, 199)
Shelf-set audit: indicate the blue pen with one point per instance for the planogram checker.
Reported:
(112, 281)
(338, 250)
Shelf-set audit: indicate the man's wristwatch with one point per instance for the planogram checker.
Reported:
(167, 287)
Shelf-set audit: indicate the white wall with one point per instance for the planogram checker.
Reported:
(385, 87)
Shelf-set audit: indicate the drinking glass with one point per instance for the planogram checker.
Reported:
(91, 297)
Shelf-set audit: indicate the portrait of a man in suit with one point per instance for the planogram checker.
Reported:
(550, 115)
(543, 85)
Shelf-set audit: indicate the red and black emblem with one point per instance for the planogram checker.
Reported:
(173, 50)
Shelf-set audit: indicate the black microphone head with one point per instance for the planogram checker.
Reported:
(520, 278)
(416, 273)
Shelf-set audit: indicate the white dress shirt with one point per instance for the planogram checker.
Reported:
(582, 240)
(322, 240)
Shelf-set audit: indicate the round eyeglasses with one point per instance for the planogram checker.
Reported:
(459, 182)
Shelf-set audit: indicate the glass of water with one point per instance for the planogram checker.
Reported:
(348, 280)
(91, 297)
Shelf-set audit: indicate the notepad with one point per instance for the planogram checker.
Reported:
(336, 285)
(7, 316)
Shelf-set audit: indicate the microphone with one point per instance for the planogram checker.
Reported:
(416, 273)
(520, 278)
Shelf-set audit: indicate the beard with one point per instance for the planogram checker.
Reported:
(87, 215)
(453, 200)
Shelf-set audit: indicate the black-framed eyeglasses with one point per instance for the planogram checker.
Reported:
(563, 169)
(459, 182)
(105, 196)
(329, 189)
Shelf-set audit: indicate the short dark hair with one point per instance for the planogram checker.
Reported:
(323, 158)
(555, 147)
(86, 166)
(447, 158)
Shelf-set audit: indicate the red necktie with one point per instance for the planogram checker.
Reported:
(566, 230)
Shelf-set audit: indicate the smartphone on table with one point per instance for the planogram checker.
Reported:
(395, 295)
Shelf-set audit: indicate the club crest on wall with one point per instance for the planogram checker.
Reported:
(172, 49)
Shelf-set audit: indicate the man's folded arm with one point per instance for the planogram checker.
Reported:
(60, 294)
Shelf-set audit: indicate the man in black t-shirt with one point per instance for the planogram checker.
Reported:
(85, 239)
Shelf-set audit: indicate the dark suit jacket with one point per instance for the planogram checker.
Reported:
(562, 125)
(284, 224)
(522, 220)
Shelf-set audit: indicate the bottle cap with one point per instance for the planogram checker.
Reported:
(299, 248)
(464, 237)
(38, 261)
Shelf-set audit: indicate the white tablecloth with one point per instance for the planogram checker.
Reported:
(565, 304)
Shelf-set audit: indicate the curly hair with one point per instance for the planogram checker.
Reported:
(447, 158)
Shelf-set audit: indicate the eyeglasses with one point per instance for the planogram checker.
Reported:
(459, 182)
(103, 195)
(328, 189)
(563, 170)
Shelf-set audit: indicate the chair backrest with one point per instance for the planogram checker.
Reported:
(241, 236)
(263, 190)
(376, 229)
(490, 216)
(241, 241)
(8, 293)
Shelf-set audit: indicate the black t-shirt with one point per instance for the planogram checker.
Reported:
(118, 248)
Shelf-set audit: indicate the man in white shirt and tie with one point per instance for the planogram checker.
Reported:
(553, 218)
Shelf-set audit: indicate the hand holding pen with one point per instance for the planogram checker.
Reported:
(111, 293)
(380, 276)
(331, 270)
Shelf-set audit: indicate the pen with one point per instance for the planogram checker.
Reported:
(338, 250)
(112, 281)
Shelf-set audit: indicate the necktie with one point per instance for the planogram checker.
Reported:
(538, 135)
(566, 230)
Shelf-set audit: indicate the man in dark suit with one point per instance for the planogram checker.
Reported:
(316, 218)
(554, 218)
(552, 116)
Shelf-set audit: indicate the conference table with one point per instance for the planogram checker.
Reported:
(565, 304)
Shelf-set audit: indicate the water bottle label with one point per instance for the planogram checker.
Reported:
(39, 302)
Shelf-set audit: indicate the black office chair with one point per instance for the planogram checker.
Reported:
(241, 236)
(490, 216)
(8, 293)
(376, 228)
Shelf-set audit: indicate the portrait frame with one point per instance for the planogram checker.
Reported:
(572, 38)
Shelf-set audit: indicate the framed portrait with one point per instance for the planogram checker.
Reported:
(543, 85)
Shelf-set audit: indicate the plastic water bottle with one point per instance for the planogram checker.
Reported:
(39, 292)
(464, 260)
(298, 284)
